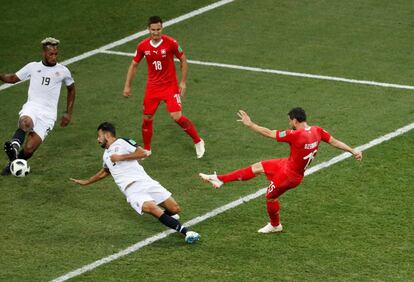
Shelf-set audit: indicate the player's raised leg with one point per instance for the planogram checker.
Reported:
(242, 174)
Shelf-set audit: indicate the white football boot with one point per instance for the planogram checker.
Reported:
(269, 228)
(192, 237)
(212, 178)
(200, 149)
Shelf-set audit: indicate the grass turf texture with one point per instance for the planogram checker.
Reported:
(353, 230)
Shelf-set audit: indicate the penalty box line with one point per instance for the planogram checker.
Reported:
(226, 207)
(281, 72)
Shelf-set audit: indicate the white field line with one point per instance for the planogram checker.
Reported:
(280, 72)
(226, 207)
(136, 35)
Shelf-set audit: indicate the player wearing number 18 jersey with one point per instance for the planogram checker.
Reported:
(162, 85)
(286, 173)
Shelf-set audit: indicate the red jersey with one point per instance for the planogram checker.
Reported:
(160, 60)
(304, 145)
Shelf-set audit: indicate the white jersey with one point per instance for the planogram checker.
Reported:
(45, 84)
(126, 172)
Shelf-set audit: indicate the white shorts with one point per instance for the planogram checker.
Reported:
(42, 124)
(137, 194)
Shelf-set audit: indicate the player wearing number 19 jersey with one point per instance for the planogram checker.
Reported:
(38, 115)
(162, 85)
(286, 173)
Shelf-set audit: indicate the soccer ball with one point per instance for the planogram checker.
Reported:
(19, 168)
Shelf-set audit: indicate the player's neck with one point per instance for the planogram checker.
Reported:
(110, 141)
(302, 125)
(45, 63)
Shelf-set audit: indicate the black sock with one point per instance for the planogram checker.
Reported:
(19, 136)
(167, 212)
(172, 223)
(23, 155)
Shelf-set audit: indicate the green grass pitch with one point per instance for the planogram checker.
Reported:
(349, 222)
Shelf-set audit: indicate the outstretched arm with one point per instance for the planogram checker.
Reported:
(138, 154)
(67, 116)
(245, 119)
(98, 176)
(130, 76)
(184, 71)
(344, 147)
(9, 78)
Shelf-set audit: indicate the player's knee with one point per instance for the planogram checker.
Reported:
(175, 209)
(176, 115)
(150, 207)
(26, 124)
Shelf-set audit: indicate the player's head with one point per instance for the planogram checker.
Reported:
(155, 27)
(50, 50)
(296, 116)
(106, 134)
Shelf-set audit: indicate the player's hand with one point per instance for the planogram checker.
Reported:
(182, 88)
(115, 158)
(65, 119)
(80, 181)
(357, 155)
(127, 92)
(244, 118)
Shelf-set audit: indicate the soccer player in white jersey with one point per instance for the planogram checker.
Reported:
(39, 113)
(143, 193)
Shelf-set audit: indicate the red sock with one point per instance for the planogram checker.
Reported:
(238, 175)
(147, 133)
(189, 128)
(273, 209)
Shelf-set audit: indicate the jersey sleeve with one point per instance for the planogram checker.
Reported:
(175, 47)
(130, 145)
(284, 135)
(325, 136)
(68, 80)
(139, 54)
(25, 72)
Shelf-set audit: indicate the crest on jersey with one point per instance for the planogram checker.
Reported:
(163, 51)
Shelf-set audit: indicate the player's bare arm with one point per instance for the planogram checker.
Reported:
(184, 71)
(138, 154)
(67, 116)
(9, 78)
(245, 119)
(344, 147)
(98, 176)
(130, 76)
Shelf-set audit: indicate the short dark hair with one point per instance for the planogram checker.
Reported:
(154, 19)
(297, 113)
(107, 127)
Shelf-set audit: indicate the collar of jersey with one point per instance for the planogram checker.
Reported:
(156, 45)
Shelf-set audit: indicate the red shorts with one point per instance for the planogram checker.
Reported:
(169, 94)
(281, 178)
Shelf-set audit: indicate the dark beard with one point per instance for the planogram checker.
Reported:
(103, 145)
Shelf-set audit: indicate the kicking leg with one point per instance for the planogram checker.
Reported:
(243, 174)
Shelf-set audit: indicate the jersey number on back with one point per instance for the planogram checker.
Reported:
(309, 157)
(157, 65)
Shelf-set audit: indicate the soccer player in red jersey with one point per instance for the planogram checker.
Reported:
(162, 85)
(286, 173)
